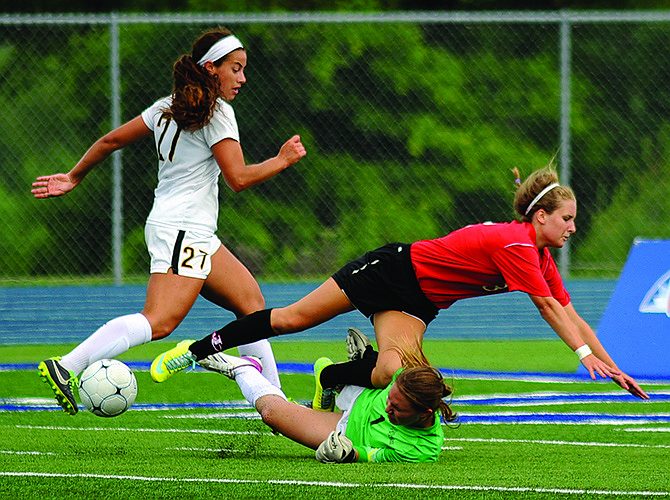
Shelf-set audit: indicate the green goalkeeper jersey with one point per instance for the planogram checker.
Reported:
(378, 440)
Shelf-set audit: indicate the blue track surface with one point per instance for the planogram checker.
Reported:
(41, 315)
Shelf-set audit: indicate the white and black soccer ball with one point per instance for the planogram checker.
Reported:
(107, 388)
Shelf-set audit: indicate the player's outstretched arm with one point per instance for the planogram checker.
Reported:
(47, 186)
(589, 337)
(558, 318)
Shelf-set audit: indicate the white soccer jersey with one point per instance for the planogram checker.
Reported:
(187, 193)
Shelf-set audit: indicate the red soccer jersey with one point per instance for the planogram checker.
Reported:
(486, 259)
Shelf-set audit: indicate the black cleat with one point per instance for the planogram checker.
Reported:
(61, 382)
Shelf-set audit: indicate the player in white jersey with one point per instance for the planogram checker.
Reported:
(196, 139)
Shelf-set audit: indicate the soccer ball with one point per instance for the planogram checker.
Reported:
(107, 388)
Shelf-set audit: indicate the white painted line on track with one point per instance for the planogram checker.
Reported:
(292, 482)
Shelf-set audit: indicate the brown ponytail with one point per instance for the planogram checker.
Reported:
(195, 91)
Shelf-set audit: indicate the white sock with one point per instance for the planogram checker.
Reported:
(111, 339)
(263, 350)
(254, 385)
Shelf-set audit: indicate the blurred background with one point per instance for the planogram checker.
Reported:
(412, 122)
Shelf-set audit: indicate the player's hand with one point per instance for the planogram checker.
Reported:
(628, 383)
(52, 185)
(337, 448)
(292, 150)
(596, 366)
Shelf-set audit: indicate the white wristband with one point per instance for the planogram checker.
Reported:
(583, 351)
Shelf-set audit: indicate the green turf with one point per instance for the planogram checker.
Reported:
(551, 356)
(182, 453)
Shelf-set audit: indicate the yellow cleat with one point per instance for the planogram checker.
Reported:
(324, 399)
(170, 362)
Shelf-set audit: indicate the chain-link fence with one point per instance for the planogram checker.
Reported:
(412, 124)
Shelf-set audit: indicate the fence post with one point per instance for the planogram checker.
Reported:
(566, 74)
(117, 195)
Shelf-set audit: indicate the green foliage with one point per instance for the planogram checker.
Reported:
(639, 209)
(411, 132)
(18, 252)
(392, 159)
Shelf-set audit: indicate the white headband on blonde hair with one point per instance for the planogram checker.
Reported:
(540, 195)
(221, 48)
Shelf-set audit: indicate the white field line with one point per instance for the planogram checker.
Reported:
(14, 452)
(220, 415)
(212, 450)
(645, 429)
(129, 429)
(566, 413)
(291, 482)
(27, 401)
(544, 398)
(557, 443)
(181, 448)
(543, 418)
(219, 432)
(560, 422)
(540, 394)
(539, 399)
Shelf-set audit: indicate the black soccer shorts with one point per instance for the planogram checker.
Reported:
(384, 280)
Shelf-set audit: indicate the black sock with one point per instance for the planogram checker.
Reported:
(357, 372)
(255, 326)
(370, 353)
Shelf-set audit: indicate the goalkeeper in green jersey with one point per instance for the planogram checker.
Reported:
(400, 423)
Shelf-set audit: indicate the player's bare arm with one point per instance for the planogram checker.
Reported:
(589, 337)
(240, 176)
(554, 314)
(59, 184)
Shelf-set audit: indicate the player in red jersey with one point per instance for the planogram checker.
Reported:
(401, 288)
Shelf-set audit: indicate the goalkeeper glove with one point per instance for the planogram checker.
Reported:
(337, 448)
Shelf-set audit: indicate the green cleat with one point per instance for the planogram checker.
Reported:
(170, 362)
(324, 399)
(62, 382)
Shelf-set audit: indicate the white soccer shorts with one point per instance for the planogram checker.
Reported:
(187, 253)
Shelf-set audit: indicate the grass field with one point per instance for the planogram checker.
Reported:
(528, 437)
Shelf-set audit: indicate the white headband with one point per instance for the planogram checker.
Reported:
(539, 196)
(221, 48)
